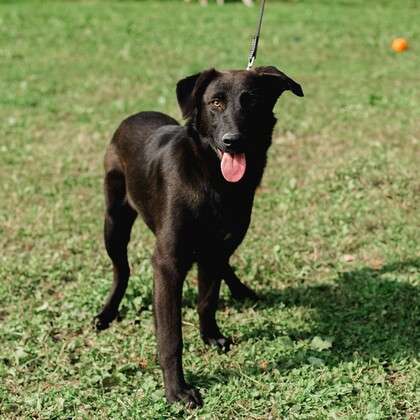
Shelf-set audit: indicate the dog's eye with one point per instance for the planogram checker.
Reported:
(249, 100)
(217, 104)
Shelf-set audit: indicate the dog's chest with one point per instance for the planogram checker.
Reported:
(220, 217)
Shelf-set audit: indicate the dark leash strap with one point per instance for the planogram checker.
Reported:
(254, 43)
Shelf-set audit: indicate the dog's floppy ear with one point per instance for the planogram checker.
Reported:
(278, 81)
(190, 90)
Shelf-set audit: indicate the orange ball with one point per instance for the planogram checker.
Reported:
(399, 44)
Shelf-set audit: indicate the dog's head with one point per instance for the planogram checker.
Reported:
(233, 111)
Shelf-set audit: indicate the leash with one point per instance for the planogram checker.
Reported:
(254, 42)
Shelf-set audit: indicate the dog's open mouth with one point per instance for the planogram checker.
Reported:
(232, 165)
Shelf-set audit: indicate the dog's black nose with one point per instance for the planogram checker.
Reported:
(229, 139)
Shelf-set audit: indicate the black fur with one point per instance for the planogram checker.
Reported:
(170, 175)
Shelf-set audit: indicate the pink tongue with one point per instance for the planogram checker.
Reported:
(233, 166)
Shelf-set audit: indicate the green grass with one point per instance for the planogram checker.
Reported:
(333, 248)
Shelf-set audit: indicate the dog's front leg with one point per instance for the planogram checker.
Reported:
(208, 297)
(169, 274)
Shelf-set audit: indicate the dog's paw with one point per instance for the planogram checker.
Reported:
(190, 396)
(103, 320)
(222, 343)
(100, 324)
(241, 292)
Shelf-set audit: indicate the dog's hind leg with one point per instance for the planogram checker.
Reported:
(119, 219)
(238, 290)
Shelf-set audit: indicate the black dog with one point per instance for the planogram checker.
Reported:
(194, 187)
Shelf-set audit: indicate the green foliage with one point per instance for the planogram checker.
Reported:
(333, 248)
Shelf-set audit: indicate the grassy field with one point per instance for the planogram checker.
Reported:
(334, 245)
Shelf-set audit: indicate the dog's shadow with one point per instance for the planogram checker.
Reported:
(369, 313)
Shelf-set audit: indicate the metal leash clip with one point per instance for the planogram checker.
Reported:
(252, 52)
(254, 43)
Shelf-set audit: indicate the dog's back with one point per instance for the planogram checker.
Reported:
(133, 134)
(131, 151)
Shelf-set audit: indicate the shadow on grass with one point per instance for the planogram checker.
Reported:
(369, 313)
